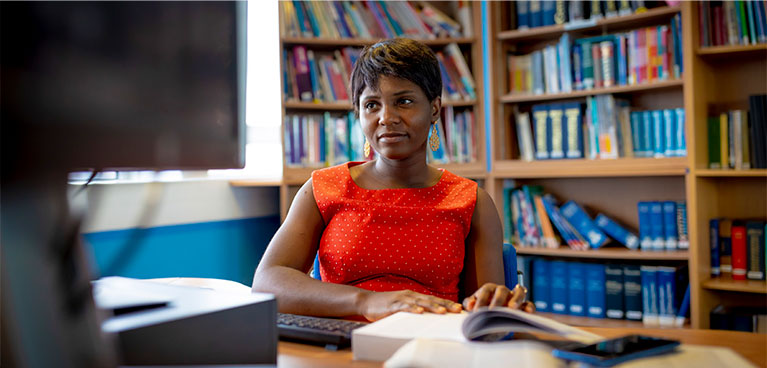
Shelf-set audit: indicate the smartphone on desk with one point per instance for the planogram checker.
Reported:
(618, 350)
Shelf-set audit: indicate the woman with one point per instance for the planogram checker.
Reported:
(393, 234)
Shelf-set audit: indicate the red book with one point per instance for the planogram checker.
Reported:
(739, 264)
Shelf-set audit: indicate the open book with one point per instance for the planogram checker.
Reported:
(380, 340)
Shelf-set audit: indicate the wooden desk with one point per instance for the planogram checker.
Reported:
(752, 347)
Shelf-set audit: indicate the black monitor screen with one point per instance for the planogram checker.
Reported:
(123, 84)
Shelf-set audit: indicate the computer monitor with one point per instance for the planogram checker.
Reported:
(99, 85)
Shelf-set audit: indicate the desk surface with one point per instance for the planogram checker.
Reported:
(750, 346)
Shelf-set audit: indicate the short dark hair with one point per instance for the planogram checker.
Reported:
(397, 57)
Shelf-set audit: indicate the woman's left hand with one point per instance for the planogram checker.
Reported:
(493, 295)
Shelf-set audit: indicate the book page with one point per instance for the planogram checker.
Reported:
(403, 325)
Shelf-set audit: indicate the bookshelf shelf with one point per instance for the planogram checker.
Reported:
(593, 322)
(673, 166)
(299, 105)
(343, 42)
(727, 284)
(651, 16)
(735, 49)
(605, 253)
(346, 105)
(674, 83)
(711, 173)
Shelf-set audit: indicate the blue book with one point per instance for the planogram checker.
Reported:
(573, 134)
(508, 226)
(341, 24)
(582, 222)
(647, 134)
(684, 308)
(547, 12)
(568, 233)
(301, 19)
(312, 19)
(645, 239)
(632, 292)
(649, 295)
(559, 285)
(658, 134)
(577, 279)
(617, 232)
(313, 77)
(557, 131)
(510, 265)
(669, 127)
(577, 67)
(760, 10)
(522, 11)
(666, 277)
(750, 21)
(535, 14)
(669, 225)
(537, 68)
(681, 144)
(636, 133)
(541, 285)
(542, 129)
(565, 66)
(621, 48)
(595, 290)
(713, 234)
(683, 239)
(525, 264)
(656, 226)
(614, 291)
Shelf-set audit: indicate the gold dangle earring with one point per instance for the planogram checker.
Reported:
(434, 139)
(366, 149)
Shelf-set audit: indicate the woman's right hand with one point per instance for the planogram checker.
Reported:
(377, 305)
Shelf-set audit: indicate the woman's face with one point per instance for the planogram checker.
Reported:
(396, 117)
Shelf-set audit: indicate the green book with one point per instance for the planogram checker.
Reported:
(743, 22)
(714, 158)
(588, 66)
(751, 24)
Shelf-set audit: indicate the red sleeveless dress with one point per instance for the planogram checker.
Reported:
(394, 239)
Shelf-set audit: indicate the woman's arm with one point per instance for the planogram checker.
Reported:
(282, 272)
(483, 265)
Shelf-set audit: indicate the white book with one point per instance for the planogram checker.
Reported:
(378, 341)
(524, 136)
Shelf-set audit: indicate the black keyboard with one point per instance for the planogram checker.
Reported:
(333, 333)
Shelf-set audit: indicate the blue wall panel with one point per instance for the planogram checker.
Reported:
(227, 250)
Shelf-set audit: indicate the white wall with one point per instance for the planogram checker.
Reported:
(123, 206)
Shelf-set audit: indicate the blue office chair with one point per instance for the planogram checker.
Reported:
(316, 268)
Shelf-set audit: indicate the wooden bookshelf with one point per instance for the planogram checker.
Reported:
(579, 321)
(360, 42)
(735, 50)
(637, 20)
(605, 253)
(293, 177)
(579, 168)
(726, 283)
(644, 87)
(712, 173)
(718, 76)
(723, 75)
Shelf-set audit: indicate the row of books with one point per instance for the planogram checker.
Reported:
(318, 140)
(739, 318)
(607, 129)
(372, 19)
(736, 138)
(663, 225)
(738, 247)
(655, 295)
(640, 56)
(537, 13)
(732, 22)
(317, 76)
(458, 137)
(534, 219)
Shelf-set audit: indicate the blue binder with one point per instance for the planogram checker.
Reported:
(595, 290)
(669, 225)
(577, 279)
(649, 295)
(510, 265)
(559, 284)
(541, 285)
(614, 291)
(632, 292)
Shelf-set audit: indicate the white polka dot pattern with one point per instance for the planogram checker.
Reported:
(394, 239)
